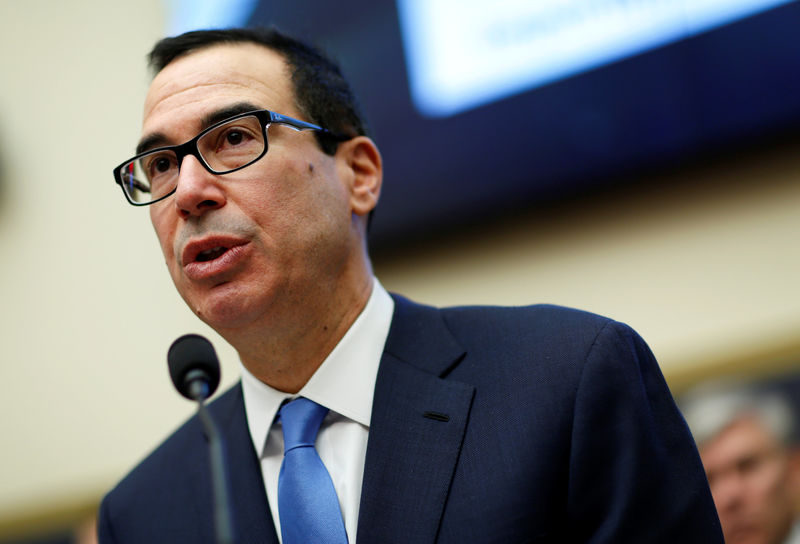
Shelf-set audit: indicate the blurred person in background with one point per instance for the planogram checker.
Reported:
(748, 444)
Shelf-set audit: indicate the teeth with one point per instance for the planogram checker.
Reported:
(211, 254)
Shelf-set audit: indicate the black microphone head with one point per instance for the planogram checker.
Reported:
(191, 358)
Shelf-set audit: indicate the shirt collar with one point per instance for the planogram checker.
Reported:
(344, 382)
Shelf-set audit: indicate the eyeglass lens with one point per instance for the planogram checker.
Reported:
(225, 148)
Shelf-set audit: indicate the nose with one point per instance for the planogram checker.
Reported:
(728, 492)
(198, 190)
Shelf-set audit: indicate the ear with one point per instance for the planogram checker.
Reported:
(794, 473)
(365, 168)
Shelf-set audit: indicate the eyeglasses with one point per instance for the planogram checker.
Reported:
(222, 148)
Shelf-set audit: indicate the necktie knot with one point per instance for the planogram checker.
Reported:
(301, 419)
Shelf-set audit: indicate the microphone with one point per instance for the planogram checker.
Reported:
(194, 369)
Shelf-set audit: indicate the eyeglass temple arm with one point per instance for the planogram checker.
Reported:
(296, 124)
(299, 125)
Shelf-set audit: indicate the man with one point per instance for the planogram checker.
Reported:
(752, 462)
(537, 424)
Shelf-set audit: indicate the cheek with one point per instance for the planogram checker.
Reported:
(275, 185)
(303, 193)
(769, 484)
(164, 233)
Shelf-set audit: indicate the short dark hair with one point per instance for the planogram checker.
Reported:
(322, 94)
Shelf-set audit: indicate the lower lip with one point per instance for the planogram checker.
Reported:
(225, 263)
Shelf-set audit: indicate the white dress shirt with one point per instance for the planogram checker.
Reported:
(794, 535)
(345, 384)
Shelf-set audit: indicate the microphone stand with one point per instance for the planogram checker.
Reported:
(198, 389)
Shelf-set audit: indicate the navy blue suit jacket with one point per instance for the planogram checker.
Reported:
(489, 425)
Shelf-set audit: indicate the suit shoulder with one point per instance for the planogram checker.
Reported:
(544, 337)
(174, 461)
(535, 322)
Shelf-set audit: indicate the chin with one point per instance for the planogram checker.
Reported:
(228, 308)
(747, 538)
(224, 316)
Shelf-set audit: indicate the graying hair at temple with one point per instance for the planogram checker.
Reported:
(711, 408)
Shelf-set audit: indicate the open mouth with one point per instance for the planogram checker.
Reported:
(210, 254)
(213, 255)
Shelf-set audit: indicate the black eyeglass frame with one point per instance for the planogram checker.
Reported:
(265, 117)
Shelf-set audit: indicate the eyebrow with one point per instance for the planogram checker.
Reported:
(158, 139)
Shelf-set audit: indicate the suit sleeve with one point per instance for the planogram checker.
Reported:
(634, 472)
(104, 532)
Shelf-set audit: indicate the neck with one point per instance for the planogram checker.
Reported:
(285, 355)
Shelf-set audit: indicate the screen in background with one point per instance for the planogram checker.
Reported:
(465, 53)
(186, 15)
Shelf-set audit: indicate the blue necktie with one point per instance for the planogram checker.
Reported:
(307, 502)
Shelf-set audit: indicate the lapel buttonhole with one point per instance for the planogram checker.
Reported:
(436, 416)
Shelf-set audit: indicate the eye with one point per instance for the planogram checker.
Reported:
(749, 464)
(233, 144)
(233, 137)
(159, 164)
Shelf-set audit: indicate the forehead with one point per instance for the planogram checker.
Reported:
(743, 437)
(213, 78)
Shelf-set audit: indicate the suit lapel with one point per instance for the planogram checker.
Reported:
(252, 520)
(416, 431)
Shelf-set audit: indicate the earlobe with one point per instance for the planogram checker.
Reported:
(366, 167)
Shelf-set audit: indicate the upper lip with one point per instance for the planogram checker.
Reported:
(192, 249)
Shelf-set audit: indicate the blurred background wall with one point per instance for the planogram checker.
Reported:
(699, 255)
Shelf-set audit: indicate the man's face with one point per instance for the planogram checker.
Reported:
(250, 246)
(753, 481)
